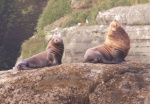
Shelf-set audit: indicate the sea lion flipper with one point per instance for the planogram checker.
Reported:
(102, 59)
(23, 66)
(52, 60)
(118, 60)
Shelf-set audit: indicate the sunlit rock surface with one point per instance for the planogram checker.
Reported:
(78, 83)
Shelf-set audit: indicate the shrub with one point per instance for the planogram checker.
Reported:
(55, 9)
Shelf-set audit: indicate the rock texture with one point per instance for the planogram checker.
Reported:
(129, 15)
(78, 83)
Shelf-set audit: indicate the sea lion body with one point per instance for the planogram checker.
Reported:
(114, 49)
(50, 57)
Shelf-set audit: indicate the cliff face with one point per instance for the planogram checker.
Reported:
(18, 20)
(78, 83)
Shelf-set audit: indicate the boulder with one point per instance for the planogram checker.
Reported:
(129, 15)
(78, 83)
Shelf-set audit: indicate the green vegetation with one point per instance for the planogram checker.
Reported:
(33, 46)
(60, 8)
(91, 13)
(54, 10)
(1, 6)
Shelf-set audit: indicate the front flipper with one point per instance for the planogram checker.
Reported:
(102, 59)
(23, 66)
(93, 56)
(118, 56)
(52, 60)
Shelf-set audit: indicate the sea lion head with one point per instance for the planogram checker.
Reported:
(114, 25)
(55, 41)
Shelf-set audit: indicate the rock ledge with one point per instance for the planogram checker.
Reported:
(78, 83)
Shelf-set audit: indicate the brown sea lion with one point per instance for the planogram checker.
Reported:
(114, 49)
(50, 57)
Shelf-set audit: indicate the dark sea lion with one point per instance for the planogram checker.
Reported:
(50, 57)
(114, 49)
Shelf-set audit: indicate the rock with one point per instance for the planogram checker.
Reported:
(78, 39)
(78, 83)
(129, 15)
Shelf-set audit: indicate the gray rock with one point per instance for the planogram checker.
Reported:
(78, 83)
(129, 15)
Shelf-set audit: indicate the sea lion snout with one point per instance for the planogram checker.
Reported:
(57, 40)
(114, 25)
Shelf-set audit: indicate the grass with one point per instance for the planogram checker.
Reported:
(59, 8)
(91, 13)
(33, 46)
(55, 9)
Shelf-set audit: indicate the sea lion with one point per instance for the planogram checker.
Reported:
(50, 57)
(113, 50)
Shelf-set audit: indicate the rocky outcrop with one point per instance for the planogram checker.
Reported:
(78, 83)
(129, 15)
(79, 38)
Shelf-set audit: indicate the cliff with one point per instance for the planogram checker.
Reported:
(18, 20)
(78, 83)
